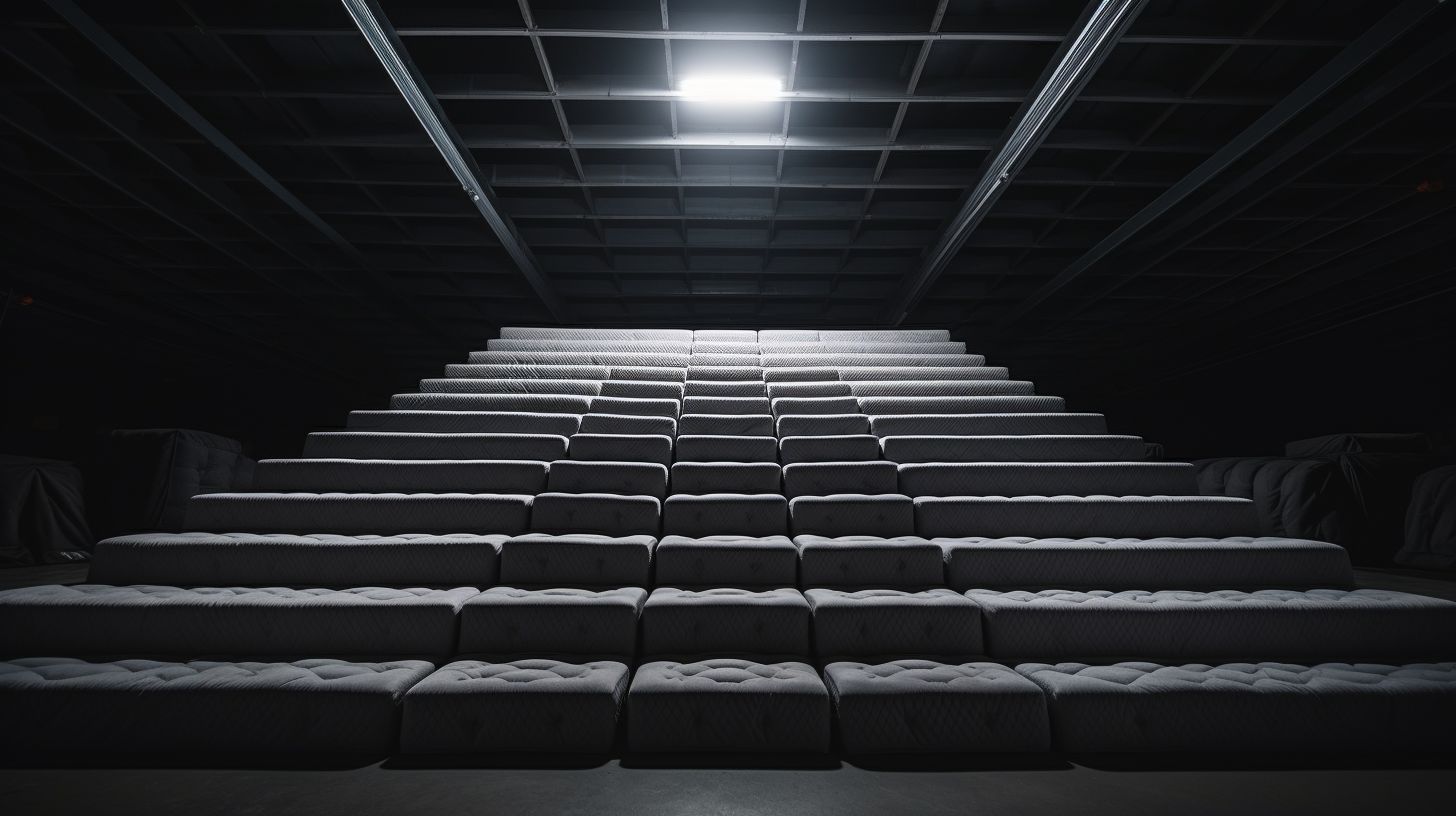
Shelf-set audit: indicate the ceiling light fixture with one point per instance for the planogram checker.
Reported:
(731, 88)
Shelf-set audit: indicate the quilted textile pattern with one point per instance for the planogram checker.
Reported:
(1217, 625)
(515, 371)
(876, 406)
(725, 621)
(539, 559)
(862, 448)
(627, 424)
(377, 513)
(907, 449)
(588, 388)
(759, 514)
(506, 422)
(1009, 424)
(1048, 479)
(1236, 707)
(827, 478)
(851, 514)
(728, 705)
(725, 477)
(915, 706)
(587, 447)
(92, 619)
(714, 448)
(739, 406)
(730, 388)
(727, 561)
(622, 478)
(370, 445)
(935, 623)
(810, 406)
(511, 621)
(922, 373)
(635, 406)
(531, 403)
(536, 333)
(139, 706)
(1069, 516)
(400, 475)
(603, 358)
(726, 425)
(941, 388)
(823, 425)
(857, 561)
(644, 346)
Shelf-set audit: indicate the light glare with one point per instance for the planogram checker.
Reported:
(728, 88)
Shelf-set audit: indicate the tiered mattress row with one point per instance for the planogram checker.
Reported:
(739, 539)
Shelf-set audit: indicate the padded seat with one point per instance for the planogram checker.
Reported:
(1081, 516)
(400, 476)
(474, 403)
(876, 406)
(538, 559)
(740, 406)
(862, 561)
(940, 388)
(634, 346)
(848, 448)
(1363, 624)
(80, 708)
(725, 621)
(826, 478)
(633, 406)
(801, 390)
(469, 385)
(622, 478)
(533, 333)
(726, 425)
(800, 406)
(521, 371)
(642, 389)
(599, 513)
(725, 388)
(892, 623)
(504, 422)
(251, 559)
(451, 446)
(1124, 563)
(605, 358)
(987, 424)
(713, 448)
(917, 706)
(610, 424)
(823, 425)
(908, 449)
(725, 373)
(675, 374)
(922, 373)
(727, 561)
(725, 477)
(1048, 479)
(725, 335)
(727, 705)
(852, 514)
(1327, 707)
(752, 514)
(587, 447)
(726, 360)
(359, 513)
(95, 619)
(511, 622)
(841, 359)
(800, 374)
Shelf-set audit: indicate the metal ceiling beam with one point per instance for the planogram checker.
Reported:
(1394, 25)
(1085, 50)
(390, 51)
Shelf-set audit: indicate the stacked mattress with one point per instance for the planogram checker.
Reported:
(722, 541)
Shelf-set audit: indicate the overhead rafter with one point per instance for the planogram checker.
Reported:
(1394, 25)
(1085, 50)
(386, 46)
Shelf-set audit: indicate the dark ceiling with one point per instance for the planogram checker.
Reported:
(245, 180)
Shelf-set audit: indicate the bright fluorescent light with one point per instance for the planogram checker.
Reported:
(731, 88)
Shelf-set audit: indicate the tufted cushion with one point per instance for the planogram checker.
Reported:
(755, 514)
(95, 619)
(622, 448)
(540, 559)
(1040, 448)
(854, 448)
(725, 335)
(398, 445)
(727, 705)
(853, 424)
(870, 561)
(354, 513)
(510, 621)
(400, 476)
(726, 425)
(70, 705)
(627, 424)
(506, 422)
(737, 448)
(1249, 706)
(1061, 424)
(250, 559)
(725, 621)
(1078, 516)
(916, 706)
(935, 623)
(827, 478)
(1218, 625)
(725, 477)
(727, 561)
(1123, 563)
(1048, 479)
(623, 478)
(852, 514)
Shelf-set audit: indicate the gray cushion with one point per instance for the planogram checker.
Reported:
(725, 335)
(861, 448)
(727, 705)
(817, 406)
(726, 425)
(755, 514)
(905, 449)
(870, 561)
(629, 345)
(823, 425)
(725, 373)
(647, 373)
(757, 406)
(788, 374)
(825, 478)
(1124, 563)
(916, 387)
(1079, 516)
(372, 445)
(922, 373)
(95, 619)
(1048, 479)
(528, 403)
(723, 360)
(852, 514)
(526, 371)
(539, 559)
(642, 389)
(604, 358)
(627, 424)
(532, 333)
(832, 388)
(840, 359)
(400, 476)
(725, 388)
(889, 623)
(68, 705)
(727, 449)
(725, 621)
(725, 477)
(727, 561)
(633, 406)
(250, 559)
(351, 513)
(508, 422)
(470, 385)
(558, 621)
(1364, 624)
(623, 478)
(875, 406)
(986, 424)
(622, 448)
(1249, 706)
(917, 706)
